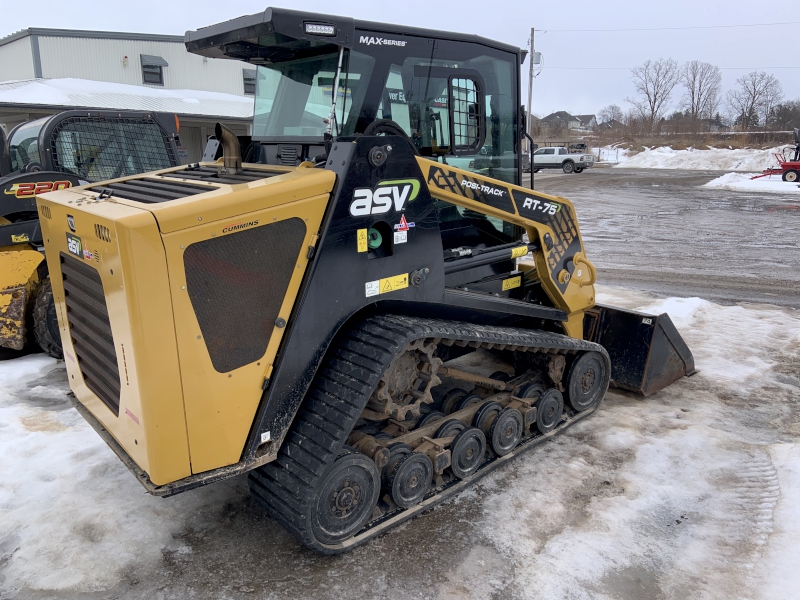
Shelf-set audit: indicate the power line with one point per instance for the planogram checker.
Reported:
(670, 28)
(629, 68)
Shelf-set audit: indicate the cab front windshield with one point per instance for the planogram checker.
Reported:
(294, 98)
(406, 84)
(24, 144)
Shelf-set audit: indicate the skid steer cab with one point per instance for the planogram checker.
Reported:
(54, 153)
(348, 319)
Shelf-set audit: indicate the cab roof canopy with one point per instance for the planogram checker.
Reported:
(279, 34)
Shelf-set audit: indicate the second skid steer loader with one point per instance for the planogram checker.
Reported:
(64, 150)
(346, 320)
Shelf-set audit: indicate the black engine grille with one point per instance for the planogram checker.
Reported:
(237, 284)
(90, 330)
(211, 175)
(151, 190)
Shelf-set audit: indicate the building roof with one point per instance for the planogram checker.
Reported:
(561, 115)
(584, 119)
(83, 33)
(612, 124)
(82, 93)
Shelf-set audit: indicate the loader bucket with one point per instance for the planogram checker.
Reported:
(18, 279)
(647, 352)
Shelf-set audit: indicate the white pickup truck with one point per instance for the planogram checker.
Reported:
(560, 158)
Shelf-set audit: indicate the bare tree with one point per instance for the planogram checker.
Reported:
(703, 82)
(654, 82)
(757, 95)
(612, 112)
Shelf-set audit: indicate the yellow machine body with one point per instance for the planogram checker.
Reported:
(177, 414)
(122, 263)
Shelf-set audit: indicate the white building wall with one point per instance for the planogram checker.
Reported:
(103, 60)
(16, 60)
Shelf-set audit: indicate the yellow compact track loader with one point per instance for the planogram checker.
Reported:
(348, 319)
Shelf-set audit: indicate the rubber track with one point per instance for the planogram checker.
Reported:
(340, 391)
(44, 314)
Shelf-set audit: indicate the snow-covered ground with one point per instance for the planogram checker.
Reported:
(743, 182)
(690, 493)
(708, 159)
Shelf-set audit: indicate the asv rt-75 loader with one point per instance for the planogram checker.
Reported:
(323, 319)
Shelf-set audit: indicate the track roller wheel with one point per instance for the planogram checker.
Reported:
(452, 398)
(531, 391)
(430, 418)
(506, 431)
(468, 401)
(483, 418)
(410, 478)
(345, 498)
(467, 452)
(449, 429)
(548, 410)
(586, 381)
(396, 451)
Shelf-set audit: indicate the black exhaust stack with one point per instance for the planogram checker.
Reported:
(231, 150)
(647, 352)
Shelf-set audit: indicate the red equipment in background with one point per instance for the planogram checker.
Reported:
(789, 168)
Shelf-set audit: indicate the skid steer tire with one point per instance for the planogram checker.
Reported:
(45, 321)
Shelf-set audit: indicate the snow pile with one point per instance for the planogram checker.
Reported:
(676, 495)
(85, 93)
(741, 182)
(73, 517)
(692, 492)
(711, 159)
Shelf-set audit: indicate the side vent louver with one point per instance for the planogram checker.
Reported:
(90, 330)
(102, 232)
(288, 155)
(45, 212)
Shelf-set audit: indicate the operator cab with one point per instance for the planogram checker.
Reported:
(321, 77)
(421, 79)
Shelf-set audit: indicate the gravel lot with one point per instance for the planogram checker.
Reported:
(659, 230)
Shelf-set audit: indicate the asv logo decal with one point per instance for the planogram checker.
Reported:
(386, 195)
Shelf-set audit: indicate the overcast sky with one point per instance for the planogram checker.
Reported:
(608, 54)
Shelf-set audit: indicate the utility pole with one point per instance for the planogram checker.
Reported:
(530, 85)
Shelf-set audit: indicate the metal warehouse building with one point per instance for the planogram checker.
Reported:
(60, 58)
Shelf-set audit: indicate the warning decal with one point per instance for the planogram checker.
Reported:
(362, 240)
(514, 282)
(519, 252)
(386, 285)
